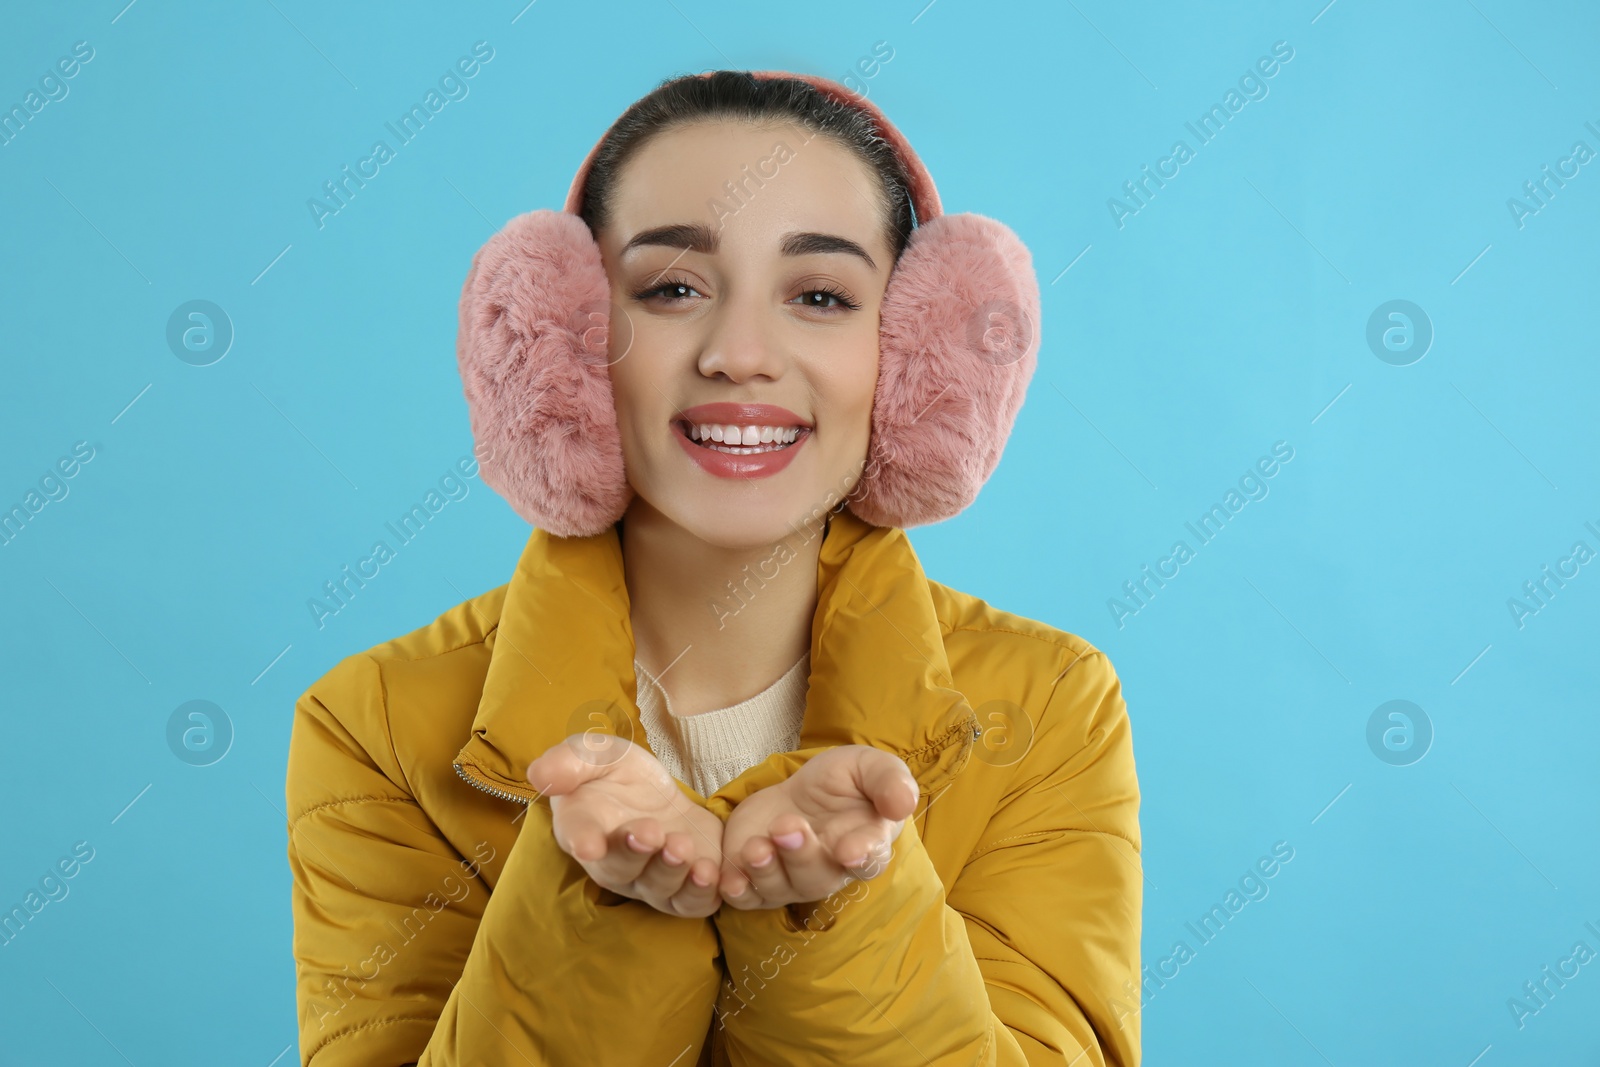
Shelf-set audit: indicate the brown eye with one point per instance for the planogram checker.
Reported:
(668, 291)
(826, 300)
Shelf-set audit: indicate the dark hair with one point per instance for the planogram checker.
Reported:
(740, 95)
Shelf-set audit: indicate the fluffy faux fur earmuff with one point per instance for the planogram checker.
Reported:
(958, 343)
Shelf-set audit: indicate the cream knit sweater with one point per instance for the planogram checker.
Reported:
(708, 750)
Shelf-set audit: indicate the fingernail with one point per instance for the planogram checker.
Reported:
(790, 841)
(670, 860)
(634, 843)
(763, 862)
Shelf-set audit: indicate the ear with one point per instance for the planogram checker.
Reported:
(532, 348)
(958, 343)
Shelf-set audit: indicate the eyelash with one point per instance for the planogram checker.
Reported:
(827, 290)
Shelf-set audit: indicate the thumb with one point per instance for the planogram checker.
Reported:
(574, 762)
(885, 779)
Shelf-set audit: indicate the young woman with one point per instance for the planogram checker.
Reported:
(721, 776)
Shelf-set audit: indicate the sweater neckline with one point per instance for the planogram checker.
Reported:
(779, 693)
(708, 749)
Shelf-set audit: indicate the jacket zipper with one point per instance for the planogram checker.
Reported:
(501, 793)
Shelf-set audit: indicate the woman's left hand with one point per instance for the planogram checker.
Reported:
(830, 823)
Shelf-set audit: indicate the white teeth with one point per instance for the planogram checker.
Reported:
(743, 436)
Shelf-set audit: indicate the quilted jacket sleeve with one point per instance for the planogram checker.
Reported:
(403, 956)
(1025, 961)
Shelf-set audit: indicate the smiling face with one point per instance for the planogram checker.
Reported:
(747, 265)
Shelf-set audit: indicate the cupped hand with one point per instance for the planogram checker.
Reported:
(617, 811)
(830, 823)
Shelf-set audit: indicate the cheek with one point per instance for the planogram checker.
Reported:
(855, 378)
(621, 333)
(630, 391)
(648, 366)
(639, 358)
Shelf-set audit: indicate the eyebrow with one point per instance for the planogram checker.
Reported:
(696, 237)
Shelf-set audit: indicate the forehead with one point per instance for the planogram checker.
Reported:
(752, 179)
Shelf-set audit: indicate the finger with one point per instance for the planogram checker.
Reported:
(808, 864)
(650, 851)
(676, 871)
(733, 886)
(745, 898)
(703, 874)
(643, 836)
(679, 848)
(759, 862)
(737, 887)
(635, 844)
(579, 833)
(885, 779)
(622, 862)
(698, 897)
(695, 902)
(565, 766)
(658, 880)
(864, 852)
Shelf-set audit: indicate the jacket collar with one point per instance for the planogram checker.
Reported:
(562, 659)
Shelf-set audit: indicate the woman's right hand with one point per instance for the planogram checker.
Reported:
(618, 812)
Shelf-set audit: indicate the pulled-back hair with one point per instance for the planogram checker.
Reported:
(733, 94)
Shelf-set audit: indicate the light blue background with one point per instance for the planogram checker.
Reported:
(1228, 314)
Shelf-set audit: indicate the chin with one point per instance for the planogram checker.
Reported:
(749, 513)
(735, 521)
(746, 525)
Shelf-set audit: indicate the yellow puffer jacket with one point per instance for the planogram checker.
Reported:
(437, 922)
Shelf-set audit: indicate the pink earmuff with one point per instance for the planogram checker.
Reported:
(958, 343)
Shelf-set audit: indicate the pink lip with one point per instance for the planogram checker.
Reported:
(743, 415)
(726, 465)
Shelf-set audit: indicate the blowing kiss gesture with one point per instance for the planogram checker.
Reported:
(618, 812)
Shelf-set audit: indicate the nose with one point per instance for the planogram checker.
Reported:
(741, 340)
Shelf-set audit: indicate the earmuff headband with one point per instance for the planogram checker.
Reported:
(919, 183)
